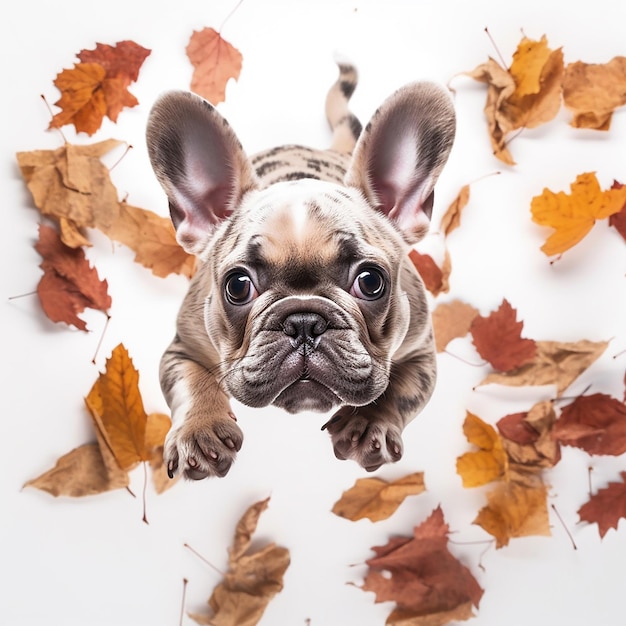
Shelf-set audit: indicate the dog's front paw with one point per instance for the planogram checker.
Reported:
(367, 439)
(199, 448)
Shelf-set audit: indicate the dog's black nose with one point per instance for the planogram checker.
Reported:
(304, 329)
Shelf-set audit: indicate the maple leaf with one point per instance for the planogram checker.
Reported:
(498, 339)
(253, 579)
(215, 62)
(525, 95)
(573, 215)
(69, 284)
(73, 186)
(427, 583)
(490, 462)
(593, 91)
(451, 219)
(377, 499)
(97, 87)
(606, 507)
(595, 423)
(618, 220)
(435, 278)
(153, 239)
(556, 363)
(450, 321)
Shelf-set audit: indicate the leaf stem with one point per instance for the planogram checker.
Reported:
(204, 560)
(144, 494)
(495, 47)
(106, 325)
(456, 356)
(182, 602)
(569, 534)
(219, 30)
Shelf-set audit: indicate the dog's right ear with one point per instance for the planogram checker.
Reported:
(200, 164)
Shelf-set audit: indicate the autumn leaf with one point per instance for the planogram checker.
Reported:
(515, 510)
(498, 339)
(451, 219)
(595, 423)
(556, 363)
(593, 91)
(215, 62)
(618, 220)
(69, 284)
(428, 584)
(72, 186)
(377, 499)
(97, 87)
(153, 239)
(253, 579)
(525, 95)
(487, 464)
(435, 278)
(574, 215)
(450, 321)
(606, 507)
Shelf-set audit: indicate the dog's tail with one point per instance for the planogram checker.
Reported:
(345, 125)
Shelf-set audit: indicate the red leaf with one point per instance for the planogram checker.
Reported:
(618, 220)
(606, 507)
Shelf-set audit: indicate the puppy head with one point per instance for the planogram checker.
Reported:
(305, 297)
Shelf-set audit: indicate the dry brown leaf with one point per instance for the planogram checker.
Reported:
(451, 219)
(253, 579)
(377, 499)
(72, 185)
(555, 363)
(606, 507)
(574, 215)
(452, 320)
(215, 62)
(153, 239)
(593, 91)
(69, 284)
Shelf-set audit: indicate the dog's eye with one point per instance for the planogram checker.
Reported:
(239, 289)
(369, 284)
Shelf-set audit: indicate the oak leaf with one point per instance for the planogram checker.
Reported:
(377, 499)
(153, 239)
(595, 423)
(435, 278)
(97, 87)
(490, 462)
(606, 507)
(69, 284)
(574, 215)
(428, 584)
(253, 579)
(73, 186)
(525, 95)
(498, 339)
(450, 321)
(556, 363)
(618, 220)
(215, 62)
(593, 91)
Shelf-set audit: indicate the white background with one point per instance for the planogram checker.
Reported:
(92, 561)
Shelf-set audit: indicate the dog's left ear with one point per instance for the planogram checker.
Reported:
(401, 153)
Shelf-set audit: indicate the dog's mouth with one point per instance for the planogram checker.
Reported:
(306, 394)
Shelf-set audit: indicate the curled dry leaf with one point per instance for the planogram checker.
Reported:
(525, 95)
(435, 278)
(498, 339)
(428, 584)
(556, 363)
(606, 507)
(69, 284)
(452, 320)
(253, 579)
(97, 87)
(215, 62)
(595, 423)
(593, 91)
(574, 215)
(451, 219)
(73, 186)
(377, 499)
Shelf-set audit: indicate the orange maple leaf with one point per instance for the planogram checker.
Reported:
(69, 284)
(215, 62)
(97, 87)
(574, 215)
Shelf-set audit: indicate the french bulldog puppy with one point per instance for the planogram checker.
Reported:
(304, 297)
